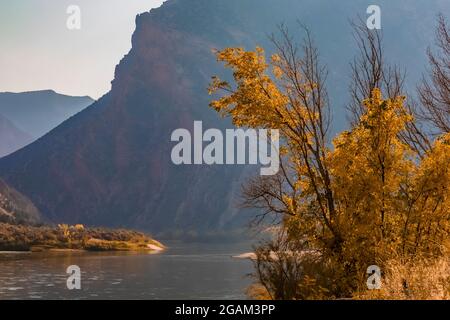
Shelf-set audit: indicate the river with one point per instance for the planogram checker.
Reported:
(183, 271)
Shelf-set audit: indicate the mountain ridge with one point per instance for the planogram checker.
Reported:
(37, 112)
(11, 137)
(110, 164)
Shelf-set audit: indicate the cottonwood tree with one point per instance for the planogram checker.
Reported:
(434, 92)
(370, 70)
(362, 198)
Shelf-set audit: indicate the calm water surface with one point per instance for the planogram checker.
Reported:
(184, 271)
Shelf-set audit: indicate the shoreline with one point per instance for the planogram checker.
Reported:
(151, 249)
(66, 238)
(63, 252)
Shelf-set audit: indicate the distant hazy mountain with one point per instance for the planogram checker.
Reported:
(110, 164)
(11, 137)
(15, 207)
(38, 112)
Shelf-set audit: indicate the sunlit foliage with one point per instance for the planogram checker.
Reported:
(363, 198)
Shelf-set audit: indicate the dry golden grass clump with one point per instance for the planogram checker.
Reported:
(423, 279)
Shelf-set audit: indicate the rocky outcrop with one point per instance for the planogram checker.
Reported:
(15, 208)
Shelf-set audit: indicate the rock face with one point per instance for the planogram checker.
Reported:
(16, 208)
(110, 164)
(11, 137)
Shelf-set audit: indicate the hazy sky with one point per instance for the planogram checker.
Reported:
(38, 51)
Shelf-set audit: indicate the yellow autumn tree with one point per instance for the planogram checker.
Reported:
(363, 198)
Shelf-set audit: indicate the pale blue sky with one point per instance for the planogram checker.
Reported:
(37, 51)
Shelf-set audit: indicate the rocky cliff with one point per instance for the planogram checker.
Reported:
(15, 208)
(110, 164)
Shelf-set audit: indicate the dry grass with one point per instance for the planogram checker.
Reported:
(422, 279)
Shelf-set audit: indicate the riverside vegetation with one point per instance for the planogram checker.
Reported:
(15, 237)
(377, 194)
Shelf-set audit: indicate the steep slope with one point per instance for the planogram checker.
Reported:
(110, 164)
(11, 137)
(37, 112)
(15, 207)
